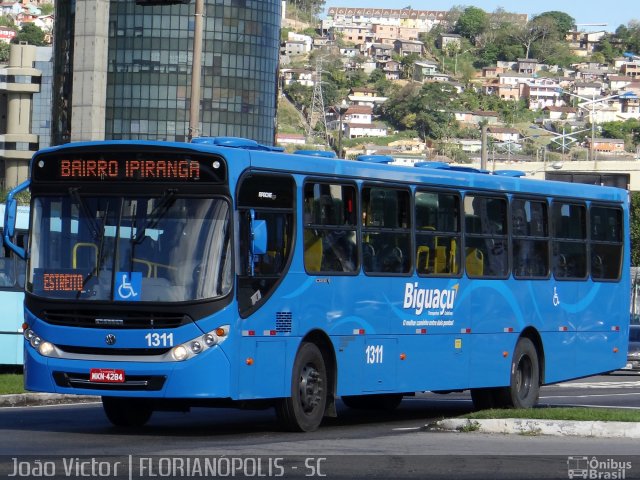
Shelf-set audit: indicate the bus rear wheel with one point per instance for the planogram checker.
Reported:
(127, 412)
(524, 386)
(304, 409)
(386, 401)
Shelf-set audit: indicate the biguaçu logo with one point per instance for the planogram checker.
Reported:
(434, 300)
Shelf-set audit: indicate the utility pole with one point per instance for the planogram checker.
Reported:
(484, 151)
(196, 72)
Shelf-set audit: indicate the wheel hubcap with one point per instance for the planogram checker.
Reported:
(310, 388)
(523, 379)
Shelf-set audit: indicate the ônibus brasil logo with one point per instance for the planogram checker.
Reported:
(434, 300)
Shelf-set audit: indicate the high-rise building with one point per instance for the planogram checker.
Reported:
(25, 106)
(123, 69)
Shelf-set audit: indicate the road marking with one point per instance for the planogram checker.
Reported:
(592, 395)
(635, 384)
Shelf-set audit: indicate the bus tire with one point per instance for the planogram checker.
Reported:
(524, 385)
(386, 401)
(304, 409)
(127, 412)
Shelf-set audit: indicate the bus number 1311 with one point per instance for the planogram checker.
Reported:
(159, 339)
(374, 353)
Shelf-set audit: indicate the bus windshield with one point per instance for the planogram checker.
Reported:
(109, 248)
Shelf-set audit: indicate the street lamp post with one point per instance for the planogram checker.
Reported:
(554, 165)
(342, 109)
(196, 67)
(455, 62)
(560, 138)
(592, 102)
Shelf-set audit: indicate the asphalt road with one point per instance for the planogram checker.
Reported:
(357, 444)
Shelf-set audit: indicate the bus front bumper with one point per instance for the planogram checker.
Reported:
(204, 376)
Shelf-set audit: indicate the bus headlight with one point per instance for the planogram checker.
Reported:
(46, 349)
(35, 341)
(179, 353)
(195, 346)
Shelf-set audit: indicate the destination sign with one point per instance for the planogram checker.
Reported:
(121, 167)
(135, 169)
(62, 282)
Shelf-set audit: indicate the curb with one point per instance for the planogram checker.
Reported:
(524, 426)
(34, 399)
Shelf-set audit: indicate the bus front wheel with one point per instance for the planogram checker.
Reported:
(127, 412)
(304, 409)
(524, 385)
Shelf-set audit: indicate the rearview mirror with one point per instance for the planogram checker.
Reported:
(10, 217)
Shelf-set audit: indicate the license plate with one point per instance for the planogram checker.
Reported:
(106, 375)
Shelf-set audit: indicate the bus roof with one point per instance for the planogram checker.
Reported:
(370, 168)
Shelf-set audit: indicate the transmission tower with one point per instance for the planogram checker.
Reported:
(317, 113)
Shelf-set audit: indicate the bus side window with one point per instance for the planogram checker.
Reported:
(486, 222)
(329, 228)
(530, 238)
(606, 242)
(437, 233)
(569, 240)
(387, 229)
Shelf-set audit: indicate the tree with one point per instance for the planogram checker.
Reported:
(5, 50)
(426, 108)
(629, 37)
(299, 95)
(536, 29)
(7, 21)
(608, 51)
(31, 34)
(472, 23)
(408, 64)
(46, 8)
(563, 22)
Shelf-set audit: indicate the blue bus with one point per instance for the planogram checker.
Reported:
(12, 275)
(222, 272)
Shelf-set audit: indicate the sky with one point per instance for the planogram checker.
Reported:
(614, 12)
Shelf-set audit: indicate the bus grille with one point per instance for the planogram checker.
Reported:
(283, 322)
(97, 319)
(132, 382)
(119, 352)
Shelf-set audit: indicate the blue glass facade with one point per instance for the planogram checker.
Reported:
(149, 62)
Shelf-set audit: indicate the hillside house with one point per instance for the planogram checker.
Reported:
(406, 47)
(503, 134)
(607, 145)
(560, 113)
(357, 130)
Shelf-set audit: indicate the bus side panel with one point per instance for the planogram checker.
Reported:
(350, 357)
(491, 359)
(608, 350)
(434, 362)
(263, 368)
(560, 355)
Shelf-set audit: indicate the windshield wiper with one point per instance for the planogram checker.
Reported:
(161, 208)
(93, 226)
(100, 256)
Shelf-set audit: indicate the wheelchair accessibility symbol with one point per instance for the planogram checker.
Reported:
(128, 286)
